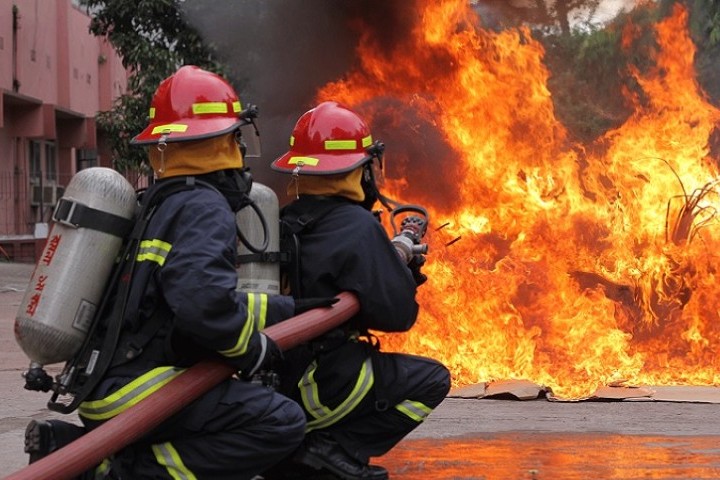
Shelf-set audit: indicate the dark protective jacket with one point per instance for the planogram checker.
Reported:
(345, 248)
(348, 250)
(185, 276)
(365, 399)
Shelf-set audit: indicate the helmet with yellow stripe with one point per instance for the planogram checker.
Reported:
(191, 104)
(327, 140)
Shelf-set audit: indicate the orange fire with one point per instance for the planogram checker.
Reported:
(572, 266)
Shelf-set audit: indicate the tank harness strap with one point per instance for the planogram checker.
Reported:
(266, 257)
(294, 221)
(135, 344)
(292, 224)
(77, 215)
(98, 352)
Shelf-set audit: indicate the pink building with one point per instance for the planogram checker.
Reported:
(54, 78)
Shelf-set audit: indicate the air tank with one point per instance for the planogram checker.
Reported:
(263, 274)
(69, 277)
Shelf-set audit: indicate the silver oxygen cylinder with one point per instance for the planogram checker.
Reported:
(262, 275)
(69, 277)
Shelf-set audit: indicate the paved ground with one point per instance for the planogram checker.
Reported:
(462, 439)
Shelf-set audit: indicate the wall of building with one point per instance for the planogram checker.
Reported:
(6, 73)
(37, 49)
(54, 78)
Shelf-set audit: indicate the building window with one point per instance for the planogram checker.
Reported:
(35, 159)
(86, 158)
(43, 161)
(43, 173)
(51, 172)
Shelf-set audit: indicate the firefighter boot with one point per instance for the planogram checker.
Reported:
(42, 437)
(320, 451)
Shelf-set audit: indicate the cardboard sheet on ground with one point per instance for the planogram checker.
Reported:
(527, 390)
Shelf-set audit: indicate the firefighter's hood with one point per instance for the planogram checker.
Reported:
(343, 185)
(196, 158)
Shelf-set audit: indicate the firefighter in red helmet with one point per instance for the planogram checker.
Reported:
(180, 303)
(358, 400)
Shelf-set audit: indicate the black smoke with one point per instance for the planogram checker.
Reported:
(281, 52)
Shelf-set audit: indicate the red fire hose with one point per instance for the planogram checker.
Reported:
(122, 430)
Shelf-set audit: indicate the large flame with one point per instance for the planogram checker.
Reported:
(571, 266)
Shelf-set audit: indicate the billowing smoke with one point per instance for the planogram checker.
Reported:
(280, 52)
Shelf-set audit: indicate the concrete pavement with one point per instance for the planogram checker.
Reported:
(462, 439)
(18, 406)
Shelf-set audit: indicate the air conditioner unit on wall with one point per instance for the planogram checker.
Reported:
(48, 195)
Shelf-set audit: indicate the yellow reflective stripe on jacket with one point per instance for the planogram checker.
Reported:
(262, 305)
(324, 416)
(167, 456)
(415, 410)
(153, 251)
(119, 401)
(256, 317)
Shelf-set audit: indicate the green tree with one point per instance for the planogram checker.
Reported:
(153, 40)
(586, 80)
(590, 68)
(705, 28)
(550, 16)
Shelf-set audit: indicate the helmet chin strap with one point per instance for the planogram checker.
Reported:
(295, 180)
(161, 146)
(369, 184)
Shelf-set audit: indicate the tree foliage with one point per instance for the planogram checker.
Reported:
(548, 16)
(589, 68)
(153, 40)
(705, 22)
(585, 80)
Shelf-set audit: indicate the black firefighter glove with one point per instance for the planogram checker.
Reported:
(415, 265)
(304, 304)
(268, 359)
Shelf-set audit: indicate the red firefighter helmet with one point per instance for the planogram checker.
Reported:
(329, 139)
(191, 104)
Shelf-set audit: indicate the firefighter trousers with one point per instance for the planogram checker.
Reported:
(378, 424)
(234, 432)
(369, 400)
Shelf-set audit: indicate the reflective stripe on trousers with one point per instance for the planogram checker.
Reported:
(325, 416)
(129, 395)
(416, 410)
(167, 456)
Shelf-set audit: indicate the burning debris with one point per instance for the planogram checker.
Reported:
(453, 241)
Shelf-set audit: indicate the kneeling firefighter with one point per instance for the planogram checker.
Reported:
(178, 303)
(359, 401)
